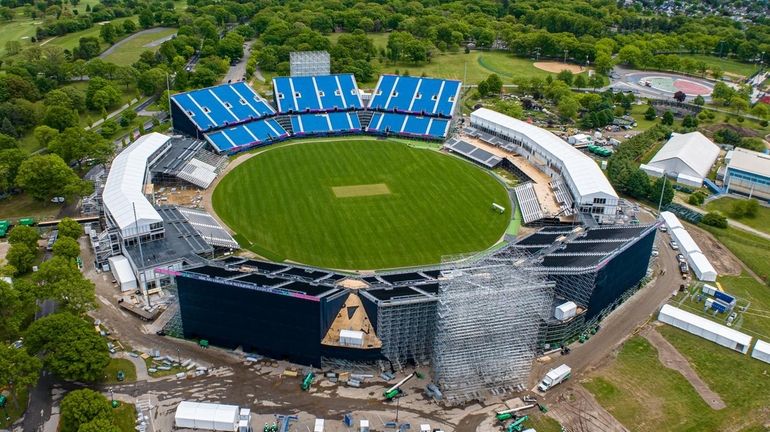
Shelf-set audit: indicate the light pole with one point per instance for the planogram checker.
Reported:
(565, 55)
(662, 188)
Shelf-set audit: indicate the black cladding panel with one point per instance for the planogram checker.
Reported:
(278, 326)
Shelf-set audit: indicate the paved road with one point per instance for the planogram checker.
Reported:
(238, 72)
(117, 44)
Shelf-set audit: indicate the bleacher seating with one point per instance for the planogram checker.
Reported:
(325, 123)
(416, 95)
(410, 125)
(248, 134)
(316, 93)
(223, 105)
(473, 153)
(528, 203)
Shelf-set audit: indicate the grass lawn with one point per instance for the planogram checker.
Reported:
(129, 52)
(480, 64)
(380, 40)
(125, 417)
(18, 206)
(760, 222)
(71, 40)
(161, 373)
(361, 204)
(115, 365)
(752, 250)
(20, 29)
(13, 412)
(726, 64)
(637, 112)
(645, 396)
(542, 423)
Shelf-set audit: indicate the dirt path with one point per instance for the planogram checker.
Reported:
(711, 245)
(577, 410)
(672, 359)
(117, 45)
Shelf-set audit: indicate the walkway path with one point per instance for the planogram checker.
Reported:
(671, 358)
(117, 44)
(139, 365)
(730, 222)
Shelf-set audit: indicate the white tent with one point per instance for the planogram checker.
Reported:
(206, 416)
(123, 273)
(705, 328)
(671, 220)
(686, 243)
(690, 154)
(701, 266)
(761, 351)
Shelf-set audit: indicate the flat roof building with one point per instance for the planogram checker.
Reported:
(748, 173)
(590, 189)
(686, 157)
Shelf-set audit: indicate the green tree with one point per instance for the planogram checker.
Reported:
(668, 118)
(650, 114)
(45, 134)
(604, 64)
(67, 227)
(10, 160)
(146, 19)
(60, 118)
(10, 312)
(483, 88)
(81, 407)
(697, 198)
(580, 81)
(568, 107)
(129, 26)
(630, 55)
(99, 424)
(46, 176)
(61, 280)
(19, 369)
(69, 346)
(76, 144)
(699, 100)
(566, 76)
(22, 234)
(230, 46)
(108, 33)
(494, 84)
(88, 48)
(21, 257)
(509, 108)
(152, 82)
(656, 188)
(717, 72)
(714, 219)
(7, 142)
(66, 247)
(689, 122)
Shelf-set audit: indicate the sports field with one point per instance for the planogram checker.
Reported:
(360, 204)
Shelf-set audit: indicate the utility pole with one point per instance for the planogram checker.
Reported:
(565, 55)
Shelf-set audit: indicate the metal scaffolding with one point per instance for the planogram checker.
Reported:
(490, 311)
(309, 63)
(406, 329)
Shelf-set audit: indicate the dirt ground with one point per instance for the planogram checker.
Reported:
(672, 359)
(4, 246)
(556, 67)
(720, 257)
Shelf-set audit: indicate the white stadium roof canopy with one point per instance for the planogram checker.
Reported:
(581, 169)
(125, 182)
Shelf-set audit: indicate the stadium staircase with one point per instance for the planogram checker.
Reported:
(365, 117)
(285, 122)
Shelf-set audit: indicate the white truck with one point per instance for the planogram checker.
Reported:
(554, 377)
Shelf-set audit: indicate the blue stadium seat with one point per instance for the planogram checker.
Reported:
(417, 125)
(438, 128)
(255, 132)
(332, 92)
(252, 100)
(350, 91)
(448, 98)
(383, 90)
(341, 122)
(354, 120)
(222, 105)
(284, 96)
(311, 123)
(429, 96)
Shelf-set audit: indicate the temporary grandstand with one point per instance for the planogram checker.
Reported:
(528, 203)
(309, 63)
(233, 117)
(586, 189)
(470, 151)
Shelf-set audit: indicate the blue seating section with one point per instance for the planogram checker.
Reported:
(416, 95)
(316, 93)
(325, 123)
(412, 125)
(222, 105)
(247, 135)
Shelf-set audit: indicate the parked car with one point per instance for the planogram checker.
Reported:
(680, 258)
(663, 228)
(655, 253)
(674, 245)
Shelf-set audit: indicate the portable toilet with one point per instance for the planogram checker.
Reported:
(319, 425)
(363, 426)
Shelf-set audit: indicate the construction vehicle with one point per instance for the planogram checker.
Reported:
(517, 425)
(554, 377)
(396, 389)
(305, 386)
